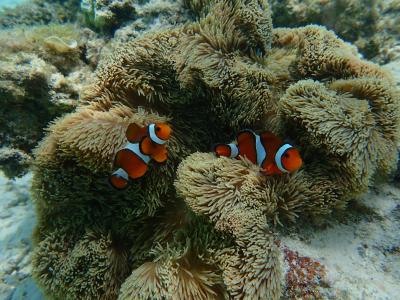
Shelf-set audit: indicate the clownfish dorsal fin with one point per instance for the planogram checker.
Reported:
(268, 137)
(134, 133)
(245, 136)
(267, 134)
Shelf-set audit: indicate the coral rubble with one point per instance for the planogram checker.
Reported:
(201, 227)
(303, 277)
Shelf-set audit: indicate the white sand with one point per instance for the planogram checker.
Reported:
(362, 252)
(17, 220)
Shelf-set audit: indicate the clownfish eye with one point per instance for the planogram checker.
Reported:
(286, 155)
(158, 128)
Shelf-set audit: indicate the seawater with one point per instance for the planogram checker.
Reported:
(10, 3)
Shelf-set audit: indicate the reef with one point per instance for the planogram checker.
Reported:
(43, 70)
(131, 17)
(153, 15)
(201, 227)
(39, 12)
(102, 16)
(107, 15)
(46, 60)
(371, 25)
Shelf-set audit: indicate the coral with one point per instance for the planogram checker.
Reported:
(14, 162)
(371, 25)
(95, 256)
(201, 227)
(233, 200)
(24, 89)
(39, 12)
(174, 275)
(199, 8)
(41, 75)
(208, 56)
(303, 277)
(59, 45)
(107, 15)
(129, 19)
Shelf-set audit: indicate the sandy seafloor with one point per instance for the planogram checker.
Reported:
(360, 250)
(17, 219)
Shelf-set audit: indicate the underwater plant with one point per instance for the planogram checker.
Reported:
(198, 226)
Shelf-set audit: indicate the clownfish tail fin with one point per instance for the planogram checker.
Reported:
(227, 150)
(119, 179)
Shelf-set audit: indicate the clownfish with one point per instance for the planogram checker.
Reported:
(144, 144)
(265, 150)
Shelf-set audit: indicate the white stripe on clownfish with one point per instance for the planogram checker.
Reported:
(153, 135)
(278, 157)
(261, 152)
(135, 148)
(121, 173)
(234, 150)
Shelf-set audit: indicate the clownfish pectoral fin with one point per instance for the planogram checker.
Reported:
(270, 169)
(160, 157)
(119, 179)
(147, 147)
(133, 133)
(222, 150)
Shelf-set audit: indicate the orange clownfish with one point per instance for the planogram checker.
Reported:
(143, 144)
(265, 150)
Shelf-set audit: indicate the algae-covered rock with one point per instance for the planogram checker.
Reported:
(373, 26)
(107, 15)
(25, 104)
(127, 19)
(58, 45)
(14, 162)
(39, 12)
(42, 71)
(201, 227)
(153, 15)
